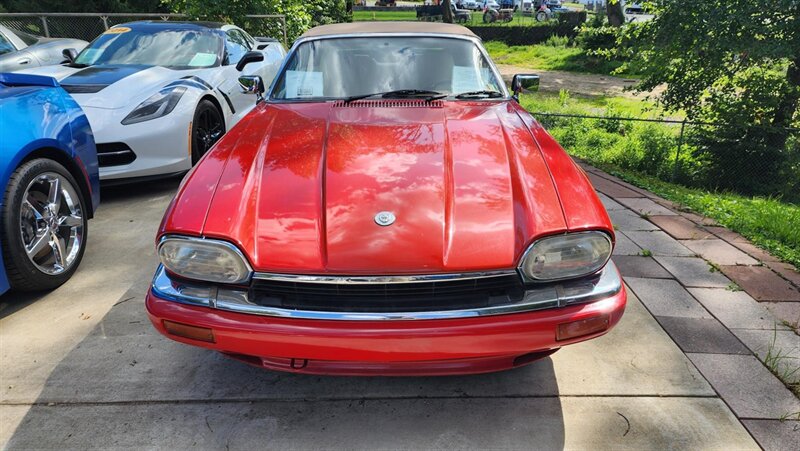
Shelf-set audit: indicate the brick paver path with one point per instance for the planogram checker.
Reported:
(730, 306)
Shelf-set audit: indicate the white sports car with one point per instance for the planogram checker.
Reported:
(159, 94)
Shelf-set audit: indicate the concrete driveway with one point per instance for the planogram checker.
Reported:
(83, 368)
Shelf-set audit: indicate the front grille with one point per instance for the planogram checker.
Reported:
(388, 297)
(114, 154)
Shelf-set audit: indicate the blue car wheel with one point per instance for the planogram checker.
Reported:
(44, 220)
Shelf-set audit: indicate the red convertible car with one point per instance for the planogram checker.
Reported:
(387, 208)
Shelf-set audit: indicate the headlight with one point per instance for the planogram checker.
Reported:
(200, 259)
(157, 105)
(566, 256)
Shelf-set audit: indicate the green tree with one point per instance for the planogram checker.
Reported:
(300, 14)
(91, 6)
(717, 46)
(735, 63)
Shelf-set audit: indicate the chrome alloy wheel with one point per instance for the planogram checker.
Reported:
(51, 223)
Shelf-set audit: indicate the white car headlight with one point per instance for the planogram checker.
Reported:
(201, 259)
(157, 105)
(566, 256)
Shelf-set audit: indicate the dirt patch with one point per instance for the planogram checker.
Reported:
(591, 85)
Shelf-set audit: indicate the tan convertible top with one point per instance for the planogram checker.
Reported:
(388, 27)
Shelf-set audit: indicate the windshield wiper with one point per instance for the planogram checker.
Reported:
(399, 94)
(487, 94)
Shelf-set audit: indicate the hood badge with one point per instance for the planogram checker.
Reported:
(385, 218)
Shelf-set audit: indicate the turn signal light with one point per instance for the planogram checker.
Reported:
(191, 332)
(581, 327)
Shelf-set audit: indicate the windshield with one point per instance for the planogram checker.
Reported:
(175, 49)
(27, 38)
(5, 46)
(342, 68)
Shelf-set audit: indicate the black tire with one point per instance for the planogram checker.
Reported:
(22, 274)
(208, 126)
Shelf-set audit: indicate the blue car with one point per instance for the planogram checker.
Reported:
(49, 172)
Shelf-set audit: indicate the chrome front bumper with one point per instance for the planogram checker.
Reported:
(606, 284)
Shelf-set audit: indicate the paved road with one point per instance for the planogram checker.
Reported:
(83, 368)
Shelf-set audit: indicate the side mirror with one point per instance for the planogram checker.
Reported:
(527, 82)
(252, 84)
(249, 57)
(69, 55)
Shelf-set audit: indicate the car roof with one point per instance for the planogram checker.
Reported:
(388, 27)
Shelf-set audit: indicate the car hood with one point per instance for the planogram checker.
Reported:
(298, 188)
(109, 86)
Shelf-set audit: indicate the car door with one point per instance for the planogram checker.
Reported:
(235, 48)
(12, 58)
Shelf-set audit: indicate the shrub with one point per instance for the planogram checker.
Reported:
(597, 38)
(572, 18)
(656, 146)
(524, 35)
(614, 122)
(557, 41)
(744, 159)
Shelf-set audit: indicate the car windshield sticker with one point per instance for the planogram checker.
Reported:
(117, 30)
(466, 79)
(201, 59)
(303, 84)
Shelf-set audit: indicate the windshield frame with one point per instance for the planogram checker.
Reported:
(473, 39)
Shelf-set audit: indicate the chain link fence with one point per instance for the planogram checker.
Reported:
(88, 26)
(749, 160)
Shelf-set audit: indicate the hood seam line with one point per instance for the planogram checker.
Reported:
(449, 192)
(323, 195)
(261, 157)
(547, 165)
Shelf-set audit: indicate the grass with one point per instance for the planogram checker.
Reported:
(642, 154)
(783, 365)
(551, 57)
(565, 103)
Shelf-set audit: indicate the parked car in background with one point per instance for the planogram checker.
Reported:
(461, 15)
(435, 13)
(634, 8)
(474, 5)
(389, 209)
(49, 176)
(19, 50)
(159, 94)
(509, 4)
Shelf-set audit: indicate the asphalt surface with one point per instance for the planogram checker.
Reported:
(81, 367)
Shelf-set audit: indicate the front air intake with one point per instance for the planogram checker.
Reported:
(114, 154)
(389, 103)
